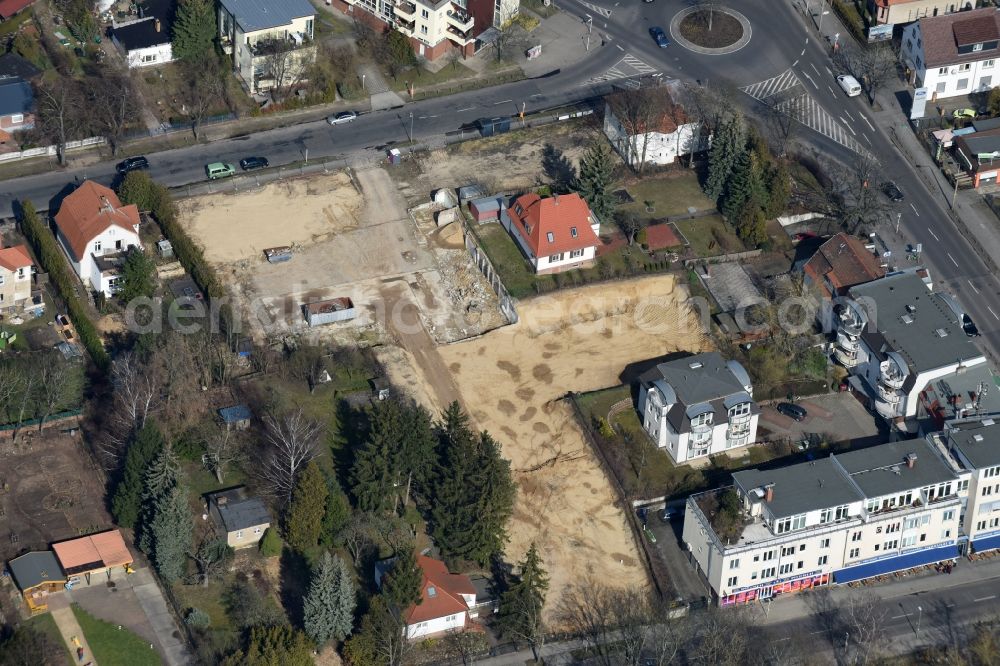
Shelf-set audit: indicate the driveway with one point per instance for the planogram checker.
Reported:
(837, 417)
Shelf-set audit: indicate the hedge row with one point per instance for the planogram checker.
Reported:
(54, 263)
(849, 14)
(139, 189)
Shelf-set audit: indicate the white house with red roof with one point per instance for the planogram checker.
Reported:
(95, 229)
(447, 600)
(669, 135)
(557, 233)
(15, 277)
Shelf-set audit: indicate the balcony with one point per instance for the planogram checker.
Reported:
(459, 37)
(461, 21)
(405, 10)
(275, 45)
(845, 355)
(408, 28)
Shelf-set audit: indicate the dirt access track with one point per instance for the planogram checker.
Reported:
(513, 381)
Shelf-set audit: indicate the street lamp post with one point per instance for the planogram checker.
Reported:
(847, 637)
(363, 82)
(411, 126)
(590, 29)
(919, 613)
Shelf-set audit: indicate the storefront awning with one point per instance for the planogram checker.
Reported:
(893, 564)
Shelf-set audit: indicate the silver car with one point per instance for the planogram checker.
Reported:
(342, 117)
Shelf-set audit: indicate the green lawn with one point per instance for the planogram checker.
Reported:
(113, 647)
(46, 625)
(710, 236)
(671, 195)
(421, 77)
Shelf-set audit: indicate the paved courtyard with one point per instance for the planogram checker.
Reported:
(838, 416)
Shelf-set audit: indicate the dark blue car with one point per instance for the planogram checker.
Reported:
(659, 37)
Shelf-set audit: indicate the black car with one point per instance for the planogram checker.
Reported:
(970, 327)
(892, 191)
(792, 411)
(132, 164)
(251, 163)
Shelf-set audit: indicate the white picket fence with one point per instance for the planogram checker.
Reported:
(50, 151)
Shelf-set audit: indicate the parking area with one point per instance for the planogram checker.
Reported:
(835, 417)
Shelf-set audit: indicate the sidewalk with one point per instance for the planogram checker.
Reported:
(796, 607)
(69, 628)
(155, 607)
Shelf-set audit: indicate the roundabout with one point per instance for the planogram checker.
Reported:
(719, 31)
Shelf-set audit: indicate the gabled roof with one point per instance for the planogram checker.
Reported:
(237, 510)
(700, 378)
(253, 15)
(32, 569)
(560, 223)
(440, 592)
(670, 117)
(845, 262)
(13, 65)
(942, 35)
(89, 211)
(15, 97)
(808, 486)
(15, 257)
(92, 552)
(10, 7)
(235, 414)
(143, 34)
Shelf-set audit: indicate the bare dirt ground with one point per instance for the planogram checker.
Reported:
(514, 380)
(49, 490)
(350, 236)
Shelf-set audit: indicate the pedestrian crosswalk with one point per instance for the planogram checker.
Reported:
(786, 94)
(627, 67)
(597, 10)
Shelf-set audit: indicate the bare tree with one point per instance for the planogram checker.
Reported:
(291, 442)
(464, 645)
(211, 555)
(638, 111)
(779, 120)
(873, 66)
(509, 36)
(112, 101)
(284, 63)
(864, 620)
(722, 638)
(135, 395)
(357, 535)
(59, 107)
(224, 447)
(12, 380)
(667, 639)
(203, 91)
(60, 383)
(613, 621)
(710, 6)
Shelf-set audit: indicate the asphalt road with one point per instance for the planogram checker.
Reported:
(780, 40)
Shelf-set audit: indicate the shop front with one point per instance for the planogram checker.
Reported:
(775, 588)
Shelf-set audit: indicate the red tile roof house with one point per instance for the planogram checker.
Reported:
(841, 263)
(447, 600)
(15, 277)
(11, 8)
(558, 233)
(94, 229)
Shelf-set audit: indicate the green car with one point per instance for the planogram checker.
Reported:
(964, 113)
(219, 170)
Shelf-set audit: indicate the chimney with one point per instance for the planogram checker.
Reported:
(105, 204)
(911, 460)
(555, 197)
(769, 492)
(156, 25)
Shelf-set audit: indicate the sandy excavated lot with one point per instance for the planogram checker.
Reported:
(513, 379)
(350, 238)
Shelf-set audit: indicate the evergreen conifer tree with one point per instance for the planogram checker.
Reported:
(521, 605)
(328, 609)
(375, 464)
(194, 30)
(596, 178)
(171, 533)
(723, 155)
(305, 514)
(127, 500)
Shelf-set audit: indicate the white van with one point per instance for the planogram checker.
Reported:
(849, 84)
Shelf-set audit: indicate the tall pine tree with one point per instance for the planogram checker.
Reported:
(521, 605)
(739, 190)
(194, 30)
(474, 493)
(403, 583)
(336, 514)
(375, 467)
(416, 456)
(596, 178)
(328, 609)
(723, 155)
(171, 534)
(305, 513)
(160, 478)
(127, 500)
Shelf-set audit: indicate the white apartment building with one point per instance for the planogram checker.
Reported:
(896, 337)
(698, 406)
(975, 446)
(270, 41)
(838, 519)
(953, 55)
(670, 136)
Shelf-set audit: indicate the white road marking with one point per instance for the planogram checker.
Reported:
(795, 63)
(973, 286)
(848, 126)
(993, 313)
(815, 85)
(803, 52)
(896, 617)
(814, 68)
(848, 114)
(867, 139)
(594, 8)
(619, 47)
(467, 109)
(916, 211)
(933, 234)
(502, 102)
(866, 120)
(828, 70)
(952, 259)
(834, 95)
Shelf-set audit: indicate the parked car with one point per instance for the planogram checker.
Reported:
(659, 37)
(891, 190)
(792, 411)
(969, 326)
(963, 113)
(132, 164)
(219, 170)
(849, 84)
(342, 117)
(251, 163)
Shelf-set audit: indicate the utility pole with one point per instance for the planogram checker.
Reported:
(590, 29)
(919, 613)
(954, 194)
(363, 87)
(411, 126)
(898, 215)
